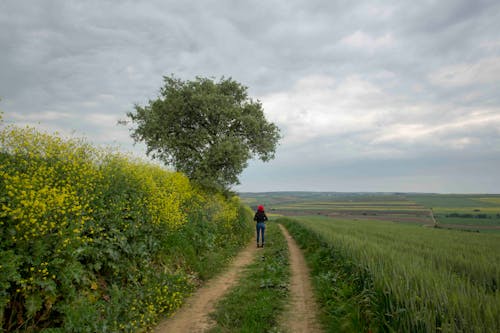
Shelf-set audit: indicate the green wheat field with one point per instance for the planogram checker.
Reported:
(398, 262)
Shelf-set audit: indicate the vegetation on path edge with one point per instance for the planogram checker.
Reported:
(258, 300)
(95, 241)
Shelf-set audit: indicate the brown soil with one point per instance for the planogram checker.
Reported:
(300, 315)
(193, 316)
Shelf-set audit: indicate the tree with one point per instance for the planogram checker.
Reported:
(208, 130)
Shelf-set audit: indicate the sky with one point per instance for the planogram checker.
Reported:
(371, 96)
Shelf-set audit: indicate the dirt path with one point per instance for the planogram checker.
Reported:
(300, 315)
(193, 316)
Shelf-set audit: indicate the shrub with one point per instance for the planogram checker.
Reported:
(92, 240)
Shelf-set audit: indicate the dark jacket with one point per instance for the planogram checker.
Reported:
(260, 217)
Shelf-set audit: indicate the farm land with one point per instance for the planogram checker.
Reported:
(479, 213)
(378, 263)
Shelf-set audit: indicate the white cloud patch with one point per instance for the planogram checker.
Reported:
(485, 71)
(354, 118)
(107, 131)
(455, 133)
(103, 120)
(317, 107)
(361, 40)
(36, 117)
(379, 12)
(491, 45)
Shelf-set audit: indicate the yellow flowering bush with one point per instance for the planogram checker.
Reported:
(46, 190)
(92, 239)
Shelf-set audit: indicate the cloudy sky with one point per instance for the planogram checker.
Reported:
(369, 95)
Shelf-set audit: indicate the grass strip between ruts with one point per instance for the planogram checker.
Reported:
(258, 300)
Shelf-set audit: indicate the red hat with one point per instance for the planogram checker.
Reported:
(260, 208)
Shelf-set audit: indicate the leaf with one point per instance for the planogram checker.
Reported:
(33, 304)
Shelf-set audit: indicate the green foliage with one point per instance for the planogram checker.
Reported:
(416, 279)
(256, 303)
(206, 129)
(94, 241)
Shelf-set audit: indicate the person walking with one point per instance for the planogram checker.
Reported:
(260, 217)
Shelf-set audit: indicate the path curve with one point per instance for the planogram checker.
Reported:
(300, 315)
(193, 316)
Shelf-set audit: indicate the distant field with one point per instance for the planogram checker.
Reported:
(468, 212)
(463, 210)
(456, 200)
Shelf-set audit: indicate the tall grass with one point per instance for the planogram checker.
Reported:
(95, 241)
(421, 279)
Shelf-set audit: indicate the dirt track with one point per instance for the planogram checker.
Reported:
(300, 315)
(193, 316)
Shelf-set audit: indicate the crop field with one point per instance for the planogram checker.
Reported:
(376, 267)
(465, 212)
(408, 278)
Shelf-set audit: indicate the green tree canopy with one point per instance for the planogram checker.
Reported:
(206, 129)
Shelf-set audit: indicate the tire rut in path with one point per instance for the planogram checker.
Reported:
(193, 316)
(300, 314)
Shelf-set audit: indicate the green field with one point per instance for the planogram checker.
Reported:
(466, 212)
(379, 263)
(413, 278)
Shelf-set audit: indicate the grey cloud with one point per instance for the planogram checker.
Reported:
(440, 16)
(412, 175)
(99, 57)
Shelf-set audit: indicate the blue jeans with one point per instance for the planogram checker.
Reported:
(261, 228)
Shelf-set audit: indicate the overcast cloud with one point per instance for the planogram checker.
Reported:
(369, 95)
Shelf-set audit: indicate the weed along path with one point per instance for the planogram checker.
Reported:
(193, 316)
(300, 314)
